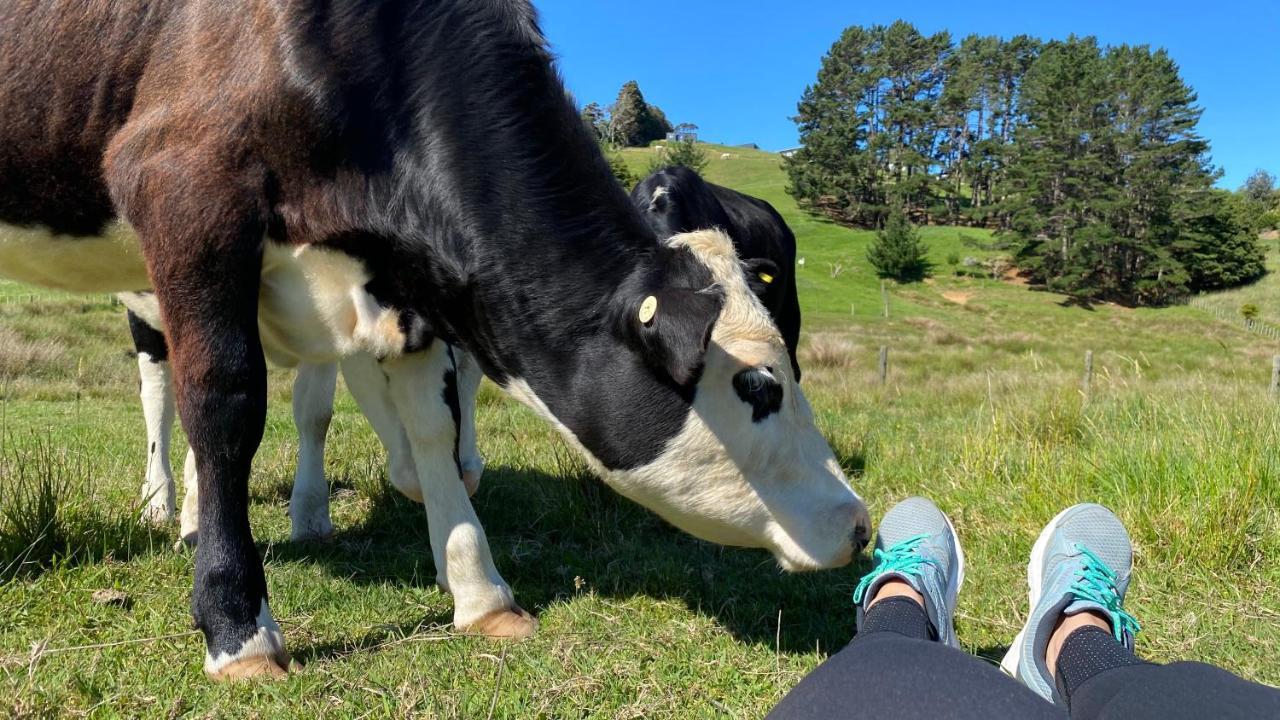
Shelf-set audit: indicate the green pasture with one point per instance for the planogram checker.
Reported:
(983, 410)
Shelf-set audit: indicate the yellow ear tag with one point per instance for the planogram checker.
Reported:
(648, 309)
(766, 278)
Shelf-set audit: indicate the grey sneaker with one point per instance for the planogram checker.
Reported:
(1081, 562)
(918, 545)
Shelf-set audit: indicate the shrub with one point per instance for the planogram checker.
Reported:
(828, 351)
(1249, 311)
(685, 152)
(619, 167)
(898, 252)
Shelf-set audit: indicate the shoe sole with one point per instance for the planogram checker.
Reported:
(1012, 658)
(956, 581)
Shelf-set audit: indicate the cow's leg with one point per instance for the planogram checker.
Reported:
(469, 377)
(312, 411)
(156, 392)
(189, 520)
(369, 386)
(201, 227)
(424, 389)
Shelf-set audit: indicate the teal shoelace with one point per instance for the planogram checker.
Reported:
(903, 557)
(1097, 583)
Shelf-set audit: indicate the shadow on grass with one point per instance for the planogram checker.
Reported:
(379, 636)
(553, 537)
(991, 653)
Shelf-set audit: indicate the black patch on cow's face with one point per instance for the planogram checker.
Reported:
(759, 388)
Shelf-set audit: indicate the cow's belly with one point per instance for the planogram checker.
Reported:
(108, 263)
(312, 307)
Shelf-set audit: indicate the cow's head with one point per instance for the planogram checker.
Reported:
(735, 457)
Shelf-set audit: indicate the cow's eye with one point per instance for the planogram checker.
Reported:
(759, 388)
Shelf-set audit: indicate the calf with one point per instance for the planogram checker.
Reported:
(321, 179)
(677, 200)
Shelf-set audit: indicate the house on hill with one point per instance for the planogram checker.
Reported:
(680, 135)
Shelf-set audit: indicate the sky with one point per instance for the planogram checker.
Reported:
(736, 68)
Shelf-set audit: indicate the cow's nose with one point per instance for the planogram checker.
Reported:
(861, 529)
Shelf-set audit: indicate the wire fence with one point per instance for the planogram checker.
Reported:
(31, 298)
(1253, 325)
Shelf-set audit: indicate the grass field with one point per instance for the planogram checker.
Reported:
(982, 411)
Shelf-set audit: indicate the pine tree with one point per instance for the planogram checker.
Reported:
(636, 123)
(898, 253)
(837, 171)
(594, 117)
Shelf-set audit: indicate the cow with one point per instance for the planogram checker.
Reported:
(313, 391)
(677, 200)
(320, 179)
(673, 199)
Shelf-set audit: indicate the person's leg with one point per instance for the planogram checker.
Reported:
(1077, 646)
(1099, 678)
(904, 662)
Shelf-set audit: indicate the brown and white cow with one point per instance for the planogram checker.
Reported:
(324, 178)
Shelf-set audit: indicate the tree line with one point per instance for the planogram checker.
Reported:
(1085, 158)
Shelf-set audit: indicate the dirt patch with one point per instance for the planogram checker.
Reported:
(957, 296)
(1270, 235)
(1014, 276)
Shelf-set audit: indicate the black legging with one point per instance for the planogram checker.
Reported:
(893, 669)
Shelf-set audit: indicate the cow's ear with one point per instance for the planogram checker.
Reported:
(761, 274)
(671, 328)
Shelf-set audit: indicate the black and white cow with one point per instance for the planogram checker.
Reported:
(313, 394)
(677, 200)
(673, 200)
(322, 178)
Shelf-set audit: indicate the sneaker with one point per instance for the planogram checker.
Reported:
(1081, 562)
(918, 545)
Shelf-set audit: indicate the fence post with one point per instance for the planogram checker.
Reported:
(1275, 376)
(884, 295)
(1087, 383)
(884, 364)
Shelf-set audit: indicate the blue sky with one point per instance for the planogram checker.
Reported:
(737, 67)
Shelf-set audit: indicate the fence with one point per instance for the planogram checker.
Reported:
(30, 298)
(1254, 325)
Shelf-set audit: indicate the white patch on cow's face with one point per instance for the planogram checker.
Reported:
(729, 479)
(108, 263)
(658, 193)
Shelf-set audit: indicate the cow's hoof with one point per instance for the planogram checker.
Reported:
(513, 624)
(311, 526)
(157, 515)
(471, 477)
(187, 540)
(312, 534)
(258, 666)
